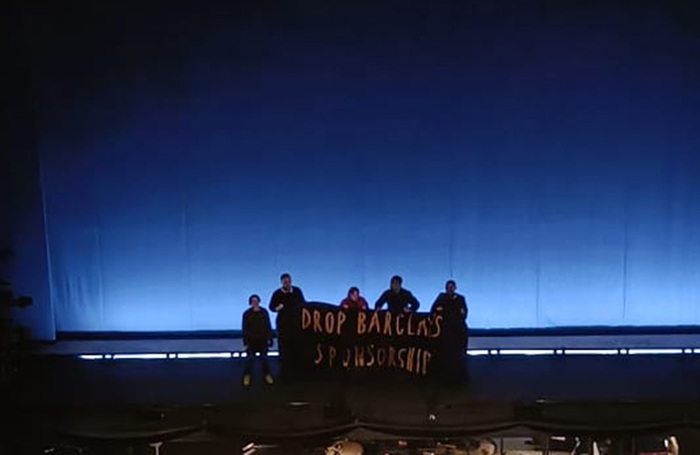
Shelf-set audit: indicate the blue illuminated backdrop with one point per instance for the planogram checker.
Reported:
(543, 155)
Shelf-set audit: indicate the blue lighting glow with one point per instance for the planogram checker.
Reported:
(558, 189)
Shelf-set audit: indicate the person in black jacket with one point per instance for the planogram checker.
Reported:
(287, 302)
(257, 338)
(399, 300)
(449, 304)
(453, 308)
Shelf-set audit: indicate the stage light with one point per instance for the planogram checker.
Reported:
(204, 355)
(470, 352)
(591, 352)
(91, 356)
(526, 352)
(140, 356)
(478, 352)
(655, 351)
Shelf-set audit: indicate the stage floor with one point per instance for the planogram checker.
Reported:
(62, 395)
(66, 380)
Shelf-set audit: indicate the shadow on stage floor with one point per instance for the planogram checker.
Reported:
(63, 396)
(60, 381)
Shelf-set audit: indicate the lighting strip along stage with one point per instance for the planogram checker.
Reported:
(470, 352)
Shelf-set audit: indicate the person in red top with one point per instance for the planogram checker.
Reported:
(354, 300)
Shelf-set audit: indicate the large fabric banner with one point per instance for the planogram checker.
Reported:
(328, 340)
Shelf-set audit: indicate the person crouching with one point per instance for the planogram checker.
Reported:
(354, 300)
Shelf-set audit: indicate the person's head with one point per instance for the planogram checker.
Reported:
(254, 301)
(286, 280)
(487, 447)
(450, 287)
(396, 282)
(354, 293)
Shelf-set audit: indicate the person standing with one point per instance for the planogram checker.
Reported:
(287, 302)
(354, 300)
(257, 338)
(454, 338)
(452, 306)
(398, 299)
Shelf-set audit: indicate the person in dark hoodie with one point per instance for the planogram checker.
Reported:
(257, 338)
(453, 309)
(452, 306)
(398, 299)
(287, 302)
(354, 300)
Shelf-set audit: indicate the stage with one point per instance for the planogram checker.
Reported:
(60, 398)
(172, 164)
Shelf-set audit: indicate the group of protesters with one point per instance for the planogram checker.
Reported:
(288, 299)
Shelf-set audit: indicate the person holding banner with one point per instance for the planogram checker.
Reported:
(398, 299)
(287, 302)
(452, 307)
(354, 300)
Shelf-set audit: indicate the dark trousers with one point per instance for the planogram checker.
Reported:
(255, 347)
(287, 326)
